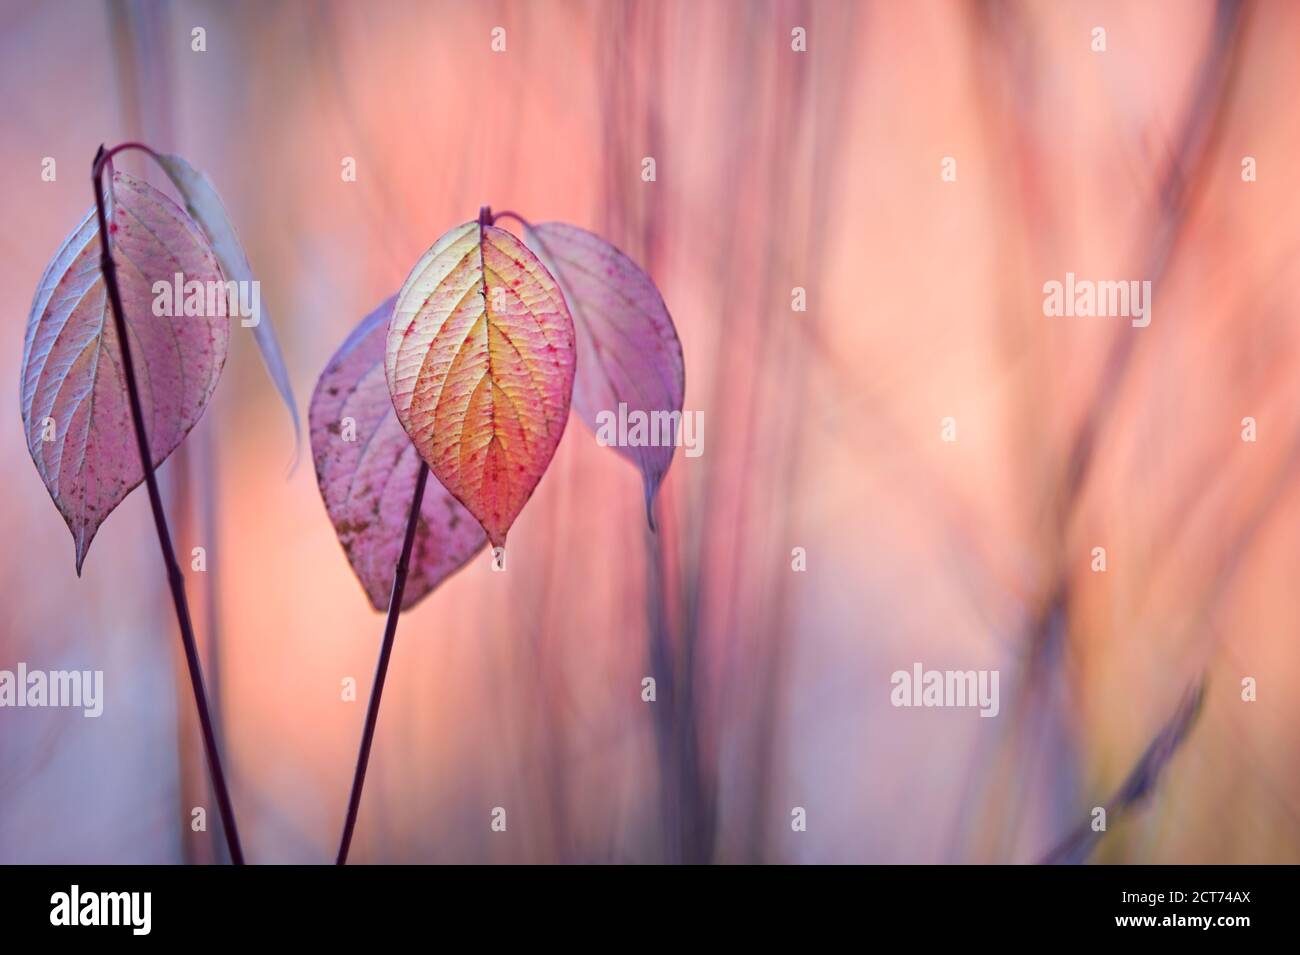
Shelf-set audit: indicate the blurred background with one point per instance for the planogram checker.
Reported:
(776, 169)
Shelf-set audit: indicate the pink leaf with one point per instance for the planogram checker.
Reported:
(367, 475)
(75, 408)
(628, 351)
(480, 366)
(206, 208)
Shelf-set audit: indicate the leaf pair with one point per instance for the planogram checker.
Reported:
(75, 408)
(487, 344)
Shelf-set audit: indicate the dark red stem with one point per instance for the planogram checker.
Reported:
(174, 578)
(381, 671)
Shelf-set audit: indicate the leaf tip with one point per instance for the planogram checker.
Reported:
(651, 484)
(83, 548)
(296, 458)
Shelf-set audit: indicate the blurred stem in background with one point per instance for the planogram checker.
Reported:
(1038, 745)
(142, 35)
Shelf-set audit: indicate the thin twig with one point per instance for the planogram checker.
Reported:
(174, 578)
(381, 671)
(493, 217)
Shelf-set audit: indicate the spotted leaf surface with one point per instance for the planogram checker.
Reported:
(480, 363)
(75, 409)
(366, 467)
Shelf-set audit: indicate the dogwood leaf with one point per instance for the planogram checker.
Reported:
(628, 351)
(366, 467)
(75, 408)
(480, 360)
(205, 207)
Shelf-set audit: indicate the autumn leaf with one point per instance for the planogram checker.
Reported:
(480, 363)
(75, 408)
(628, 350)
(367, 467)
